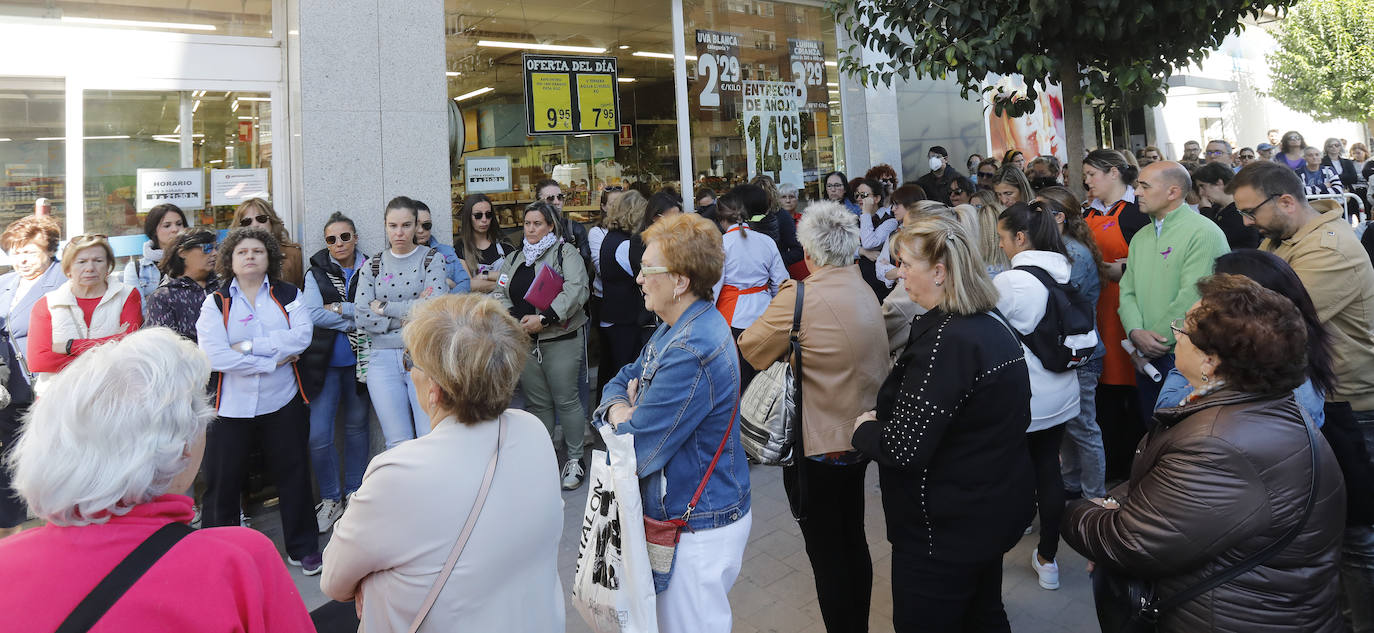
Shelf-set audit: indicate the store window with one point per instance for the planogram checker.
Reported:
(763, 92)
(32, 154)
(248, 18)
(203, 138)
(485, 43)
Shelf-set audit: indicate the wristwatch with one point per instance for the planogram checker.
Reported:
(543, 321)
(248, 346)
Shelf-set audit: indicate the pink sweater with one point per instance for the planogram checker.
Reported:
(220, 579)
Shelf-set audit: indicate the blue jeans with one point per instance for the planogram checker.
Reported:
(1083, 462)
(394, 398)
(1357, 554)
(340, 389)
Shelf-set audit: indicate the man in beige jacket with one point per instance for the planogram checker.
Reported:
(1328, 258)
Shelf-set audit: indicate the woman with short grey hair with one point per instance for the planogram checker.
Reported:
(844, 355)
(107, 482)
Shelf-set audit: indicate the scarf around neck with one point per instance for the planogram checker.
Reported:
(151, 252)
(533, 252)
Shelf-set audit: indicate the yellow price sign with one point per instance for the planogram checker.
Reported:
(552, 100)
(596, 101)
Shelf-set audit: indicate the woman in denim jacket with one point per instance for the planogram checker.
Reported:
(679, 399)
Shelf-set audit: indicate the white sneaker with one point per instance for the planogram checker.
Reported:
(245, 520)
(572, 474)
(327, 513)
(1049, 572)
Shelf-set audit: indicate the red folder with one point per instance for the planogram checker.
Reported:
(547, 284)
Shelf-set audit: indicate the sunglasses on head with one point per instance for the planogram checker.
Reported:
(344, 237)
(483, 215)
(247, 220)
(428, 226)
(207, 248)
(557, 196)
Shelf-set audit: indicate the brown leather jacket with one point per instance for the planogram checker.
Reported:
(1217, 480)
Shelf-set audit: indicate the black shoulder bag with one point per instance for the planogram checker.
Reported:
(122, 577)
(1129, 605)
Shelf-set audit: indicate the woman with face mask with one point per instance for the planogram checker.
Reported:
(392, 282)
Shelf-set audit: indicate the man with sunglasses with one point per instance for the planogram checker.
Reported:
(1328, 258)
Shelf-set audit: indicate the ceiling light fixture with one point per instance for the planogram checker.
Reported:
(474, 93)
(659, 55)
(88, 138)
(138, 23)
(532, 46)
(5, 140)
(452, 73)
(255, 98)
(195, 106)
(625, 80)
(623, 46)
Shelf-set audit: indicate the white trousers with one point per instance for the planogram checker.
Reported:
(708, 562)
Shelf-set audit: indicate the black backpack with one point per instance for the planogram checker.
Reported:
(1066, 337)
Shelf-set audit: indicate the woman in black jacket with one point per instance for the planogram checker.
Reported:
(949, 435)
(188, 269)
(329, 367)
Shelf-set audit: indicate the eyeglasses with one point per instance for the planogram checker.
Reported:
(653, 270)
(406, 362)
(1177, 326)
(1247, 157)
(344, 237)
(1215, 152)
(557, 196)
(1250, 213)
(956, 192)
(863, 196)
(428, 226)
(248, 220)
(483, 215)
(615, 188)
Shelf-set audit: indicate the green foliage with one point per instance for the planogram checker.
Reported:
(1122, 52)
(1324, 64)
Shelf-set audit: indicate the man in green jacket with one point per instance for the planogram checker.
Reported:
(1162, 270)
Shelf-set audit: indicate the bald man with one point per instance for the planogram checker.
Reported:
(1162, 270)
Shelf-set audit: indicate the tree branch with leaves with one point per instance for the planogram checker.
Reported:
(1120, 52)
(1324, 63)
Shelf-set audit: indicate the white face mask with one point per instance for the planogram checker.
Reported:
(936, 163)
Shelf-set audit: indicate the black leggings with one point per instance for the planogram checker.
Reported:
(1049, 485)
(833, 531)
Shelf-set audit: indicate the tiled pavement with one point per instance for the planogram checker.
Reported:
(776, 590)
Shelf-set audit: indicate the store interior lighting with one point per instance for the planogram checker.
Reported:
(625, 80)
(474, 93)
(453, 74)
(659, 55)
(532, 46)
(138, 23)
(255, 98)
(87, 138)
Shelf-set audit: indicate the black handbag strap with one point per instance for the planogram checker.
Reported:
(798, 450)
(116, 583)
(1152, 611)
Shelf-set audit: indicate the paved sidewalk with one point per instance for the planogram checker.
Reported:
(776, 590)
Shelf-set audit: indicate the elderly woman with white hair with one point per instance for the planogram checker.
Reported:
(109, 484)
(844, 355)
(484, 471)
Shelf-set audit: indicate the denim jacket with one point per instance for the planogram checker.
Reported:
(688, 390)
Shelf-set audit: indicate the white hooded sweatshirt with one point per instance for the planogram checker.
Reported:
(1022, 299)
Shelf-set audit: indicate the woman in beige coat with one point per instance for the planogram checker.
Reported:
(393, 540)
(844, 357)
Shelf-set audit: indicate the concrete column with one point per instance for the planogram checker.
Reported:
(871, 133)
(373, 117)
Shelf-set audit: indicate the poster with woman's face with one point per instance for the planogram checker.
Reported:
(1035, 134)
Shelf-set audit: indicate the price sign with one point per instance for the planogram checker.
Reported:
(807, 60)
(551, 102)
(718, 69)
(596, 101)
(570, 94)
(772, 129)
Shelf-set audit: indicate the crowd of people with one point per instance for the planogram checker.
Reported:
(1173, 375)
